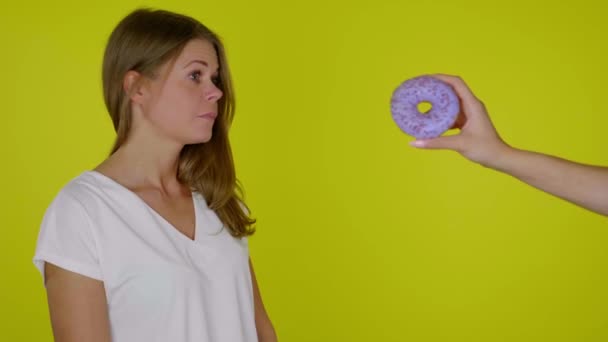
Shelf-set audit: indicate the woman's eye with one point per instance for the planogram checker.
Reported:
(195, 76)
(216, 80)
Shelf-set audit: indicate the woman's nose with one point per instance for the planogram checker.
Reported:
(214, 94)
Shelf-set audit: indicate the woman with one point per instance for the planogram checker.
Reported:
(583, 185)
(151, 245)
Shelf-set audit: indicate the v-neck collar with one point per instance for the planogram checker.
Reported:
(171, 227)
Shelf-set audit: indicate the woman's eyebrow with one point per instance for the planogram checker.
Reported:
(199, 61)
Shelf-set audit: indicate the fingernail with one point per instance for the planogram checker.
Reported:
(417, 143)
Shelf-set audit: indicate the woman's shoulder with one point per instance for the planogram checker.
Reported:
(81, 189)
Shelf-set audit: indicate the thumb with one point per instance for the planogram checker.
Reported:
(452, 142)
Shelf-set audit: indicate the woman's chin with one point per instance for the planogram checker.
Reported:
(201, 139)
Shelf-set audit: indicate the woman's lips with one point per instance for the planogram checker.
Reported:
(210, 115)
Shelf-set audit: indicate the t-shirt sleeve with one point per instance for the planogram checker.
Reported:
(66, 238)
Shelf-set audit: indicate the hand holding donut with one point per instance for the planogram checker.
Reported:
(478, 140)
(581, 184)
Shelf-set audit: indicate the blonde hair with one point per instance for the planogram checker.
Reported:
(144, 41)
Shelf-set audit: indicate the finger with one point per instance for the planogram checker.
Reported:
(462, 89)
(451, 142)
(461, 120)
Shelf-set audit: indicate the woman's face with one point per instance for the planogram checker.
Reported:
(182, 102)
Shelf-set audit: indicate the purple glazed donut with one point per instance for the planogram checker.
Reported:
(441, 117)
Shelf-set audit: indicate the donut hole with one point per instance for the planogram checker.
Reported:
(424, 107)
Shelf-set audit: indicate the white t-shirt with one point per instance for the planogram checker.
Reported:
(160, 285)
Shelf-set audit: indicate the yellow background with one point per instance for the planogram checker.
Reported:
(360, 237)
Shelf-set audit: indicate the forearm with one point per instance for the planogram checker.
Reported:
(584, 185)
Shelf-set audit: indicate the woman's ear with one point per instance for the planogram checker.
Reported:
(132, 85)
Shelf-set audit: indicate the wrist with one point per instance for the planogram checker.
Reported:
(501, 156)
